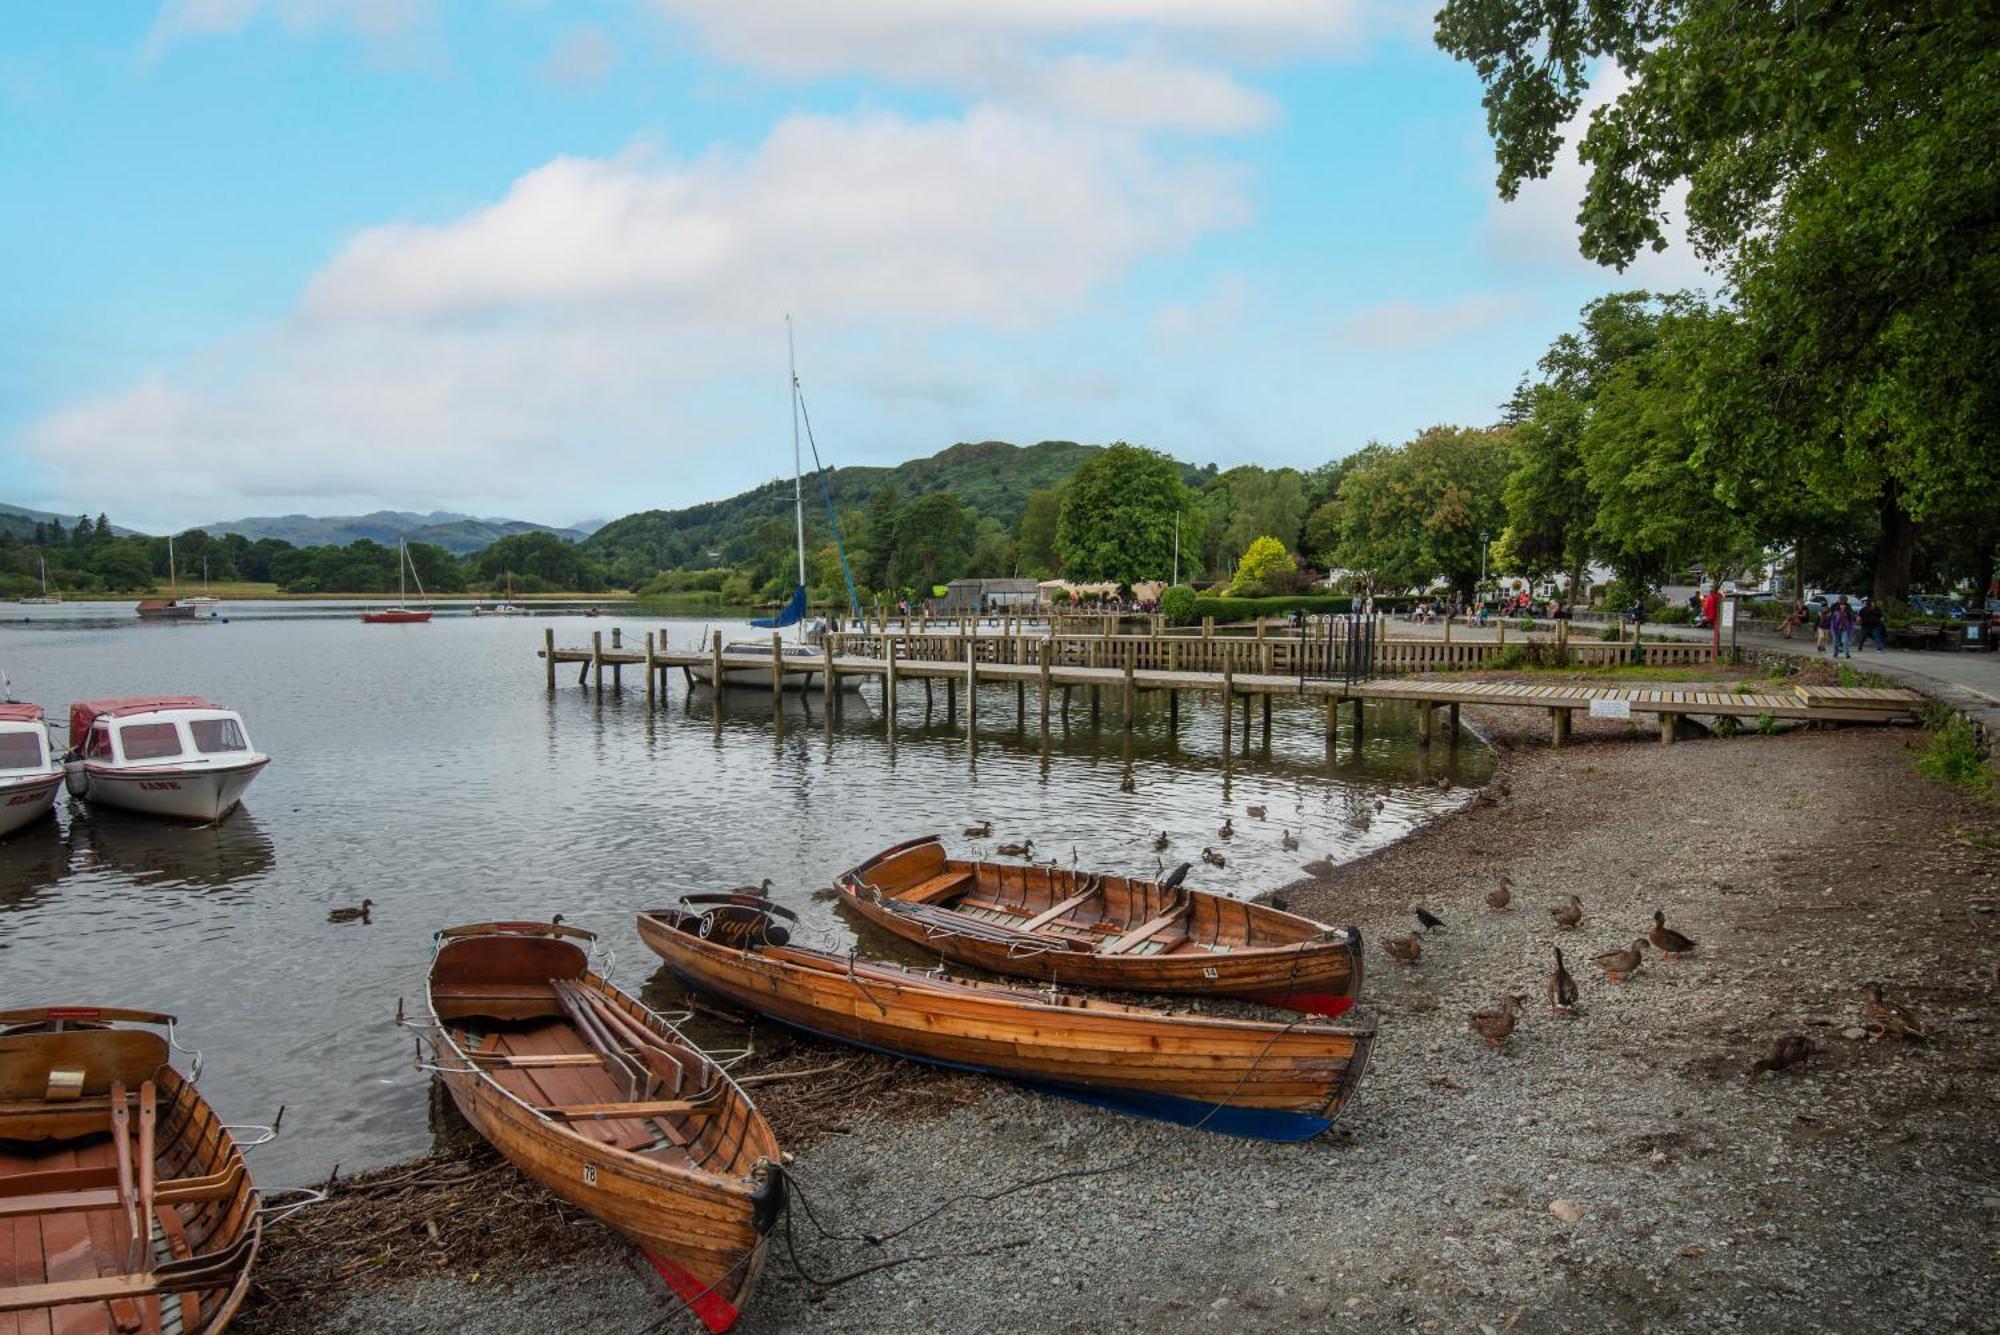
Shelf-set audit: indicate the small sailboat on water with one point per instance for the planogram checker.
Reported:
(46, 599)
(175, 607)
(506, 607)
(402, 613)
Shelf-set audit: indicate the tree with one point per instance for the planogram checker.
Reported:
(1263, 561)
(1038, 534)
(1117, 519)
(1416, 512)
(1842, 169)
(933, 540)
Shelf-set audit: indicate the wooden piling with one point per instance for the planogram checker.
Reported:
(1043, 654)
(1267, 718)
(1131, 653)
(597, 661)
(1228, 691)
(889, 685)
(1173, 711)
(1423, 723)
(1357, 720)
(1451, 722)
(1558, 726)
(971, 691)
(652, 687)
(549, 653)
(777, 674)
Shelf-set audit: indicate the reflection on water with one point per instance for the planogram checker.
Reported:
(425, 767)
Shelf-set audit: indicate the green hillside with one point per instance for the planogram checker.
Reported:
(993, 477)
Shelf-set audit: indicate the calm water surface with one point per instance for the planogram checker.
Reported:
(425, 767)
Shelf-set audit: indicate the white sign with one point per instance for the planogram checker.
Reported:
(1611, 709)
(1728, 613)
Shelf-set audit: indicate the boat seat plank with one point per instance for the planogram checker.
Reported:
(566, 1086)
(620, 1111)
(1124, 944)
(1070, 905)
(495, 1061)
(936, 888)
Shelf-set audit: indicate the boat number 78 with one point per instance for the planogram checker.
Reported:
(590, 1175)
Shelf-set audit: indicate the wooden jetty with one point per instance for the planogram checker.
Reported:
(1237, 669)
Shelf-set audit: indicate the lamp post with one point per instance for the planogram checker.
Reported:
(1177, 546)
(1484, 539)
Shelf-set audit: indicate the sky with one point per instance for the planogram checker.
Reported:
(536, 259)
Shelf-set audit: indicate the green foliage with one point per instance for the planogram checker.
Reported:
(1037, 534)
(1247, 503)
(1117, 519)
(1415, 512)
(933, 540)
(1767, 724)
(1246, 609)
(1264, 560)
(1177, 605)
(1508, 658)
(1953, 757)
(541, 557)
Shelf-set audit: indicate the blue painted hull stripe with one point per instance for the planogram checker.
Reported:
(1251, 1123)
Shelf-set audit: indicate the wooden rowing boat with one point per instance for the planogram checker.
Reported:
(1246, 1077)
(125, 1206)
(607, 1105)
(1096, 929)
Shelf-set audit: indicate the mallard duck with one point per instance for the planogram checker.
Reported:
(1430, 920)
(1562, 987)
(1784, 1053)
(1404, 949)
(1666, 940)
(1568, 914)
(1380, 803)
(761, 890)
(1020, 850)
(352, 915)
(1500, 896)
(1319, 867)
(1256, 812)
(1213, 858)
(1289, 842)
(1494, 1025)
(1160, 842)
(1620, 964)
(1886, 1018)
(979, 831)
(1228, 830)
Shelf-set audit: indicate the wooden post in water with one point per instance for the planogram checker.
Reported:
(1451, 722)
(832, 687)
(652, 687)
(1020, 704)
(1332, 717)
(1131, 653)
(597, 661)
(1267, 718)
(1093, 706)
(889, 685)
(549, 653)
(1228, 690)
(1423, 723)
(1357, 721)
(617, 669)
(1043, 654)
(971, 690)
(777, 676)
(950, 701)
(1173, 711)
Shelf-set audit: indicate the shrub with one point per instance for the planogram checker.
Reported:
(1242, 609)
(1263, 563)
(1178, 605)
(1668, 616)
(1509, 658)
(1726, 725)
(1767, 724)
(1953, 756)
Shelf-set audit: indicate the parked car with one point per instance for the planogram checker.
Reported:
(1937, 605)
(1819, 602)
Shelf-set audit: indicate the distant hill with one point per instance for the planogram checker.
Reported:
(456, 533)
(993, 477)
(18, 521)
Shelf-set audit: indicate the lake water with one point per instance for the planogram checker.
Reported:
(427, 768)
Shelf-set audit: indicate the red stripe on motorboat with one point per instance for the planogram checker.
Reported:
(715, 1311)
(170, 772)
(1309, 1003)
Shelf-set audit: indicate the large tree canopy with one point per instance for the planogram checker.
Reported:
(1117, 519)
(1841, 163)
(1411, 514)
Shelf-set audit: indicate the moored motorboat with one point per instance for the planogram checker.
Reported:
(125, 1204)
(166, 755)
(167, 609)
(1098, 929)
(30, 769)
(1244, 1077)
(607, 1104)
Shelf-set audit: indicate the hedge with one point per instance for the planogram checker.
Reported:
(1243, 609)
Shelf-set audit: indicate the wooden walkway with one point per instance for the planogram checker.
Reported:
(1429, 693)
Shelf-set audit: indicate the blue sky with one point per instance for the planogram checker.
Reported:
(534, 259)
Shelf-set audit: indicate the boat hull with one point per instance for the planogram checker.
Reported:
(1218, 947)
(23, 801)
(1270, 1081)
(396, 618)
(705, 1232)
(206, 794)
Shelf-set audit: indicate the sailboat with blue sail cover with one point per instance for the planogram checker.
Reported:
(805, 648)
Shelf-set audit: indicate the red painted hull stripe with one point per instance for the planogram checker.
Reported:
(715, 1311)
(1309, 1003)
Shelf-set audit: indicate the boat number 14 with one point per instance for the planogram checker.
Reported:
(1209, 973)
(590, 1175)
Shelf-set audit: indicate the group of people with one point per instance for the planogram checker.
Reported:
(1842, 626)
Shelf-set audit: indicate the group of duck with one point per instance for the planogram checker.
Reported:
(1884, 1018)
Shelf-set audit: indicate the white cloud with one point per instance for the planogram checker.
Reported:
(1212, 319)
(584, 57)
(1538, 229)
(384, 24)
(1155, 63)
(1404, 326)
(607, 315)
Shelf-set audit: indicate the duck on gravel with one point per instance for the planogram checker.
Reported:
(982, 830)
(1784, 1053)
(1289, 842)
(1430, 920)
(1501, 895)
(1666, 940)
(1020, 850)
(1618, 965)
(1886, 1019)
(1494, 1025)
(1213, 858)
(1569, 913)
(1562, 988)
(1404, 949)
(359, 915)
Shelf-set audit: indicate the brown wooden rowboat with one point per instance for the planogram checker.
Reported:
(125, 1205)
(1096, 929)
(607, 1104)
(1246, 1077)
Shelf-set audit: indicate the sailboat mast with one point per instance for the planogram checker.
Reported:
(798, 469)
(173, 578)
(402, 563)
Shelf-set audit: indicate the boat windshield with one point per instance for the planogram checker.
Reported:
(149, 741)
(213, 736)
(20, 750)
(98, 745)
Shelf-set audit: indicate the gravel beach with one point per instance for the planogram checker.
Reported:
(1616, 1169)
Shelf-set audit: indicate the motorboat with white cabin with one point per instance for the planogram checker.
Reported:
(165, 755)
(30, 769)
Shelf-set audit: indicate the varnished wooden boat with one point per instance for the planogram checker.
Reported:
(1246, 1077)
(1095, 929)
(125, 1205)
(607, 1105)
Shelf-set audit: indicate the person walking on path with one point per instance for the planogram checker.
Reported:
(1840, 622)
(1873, 627)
